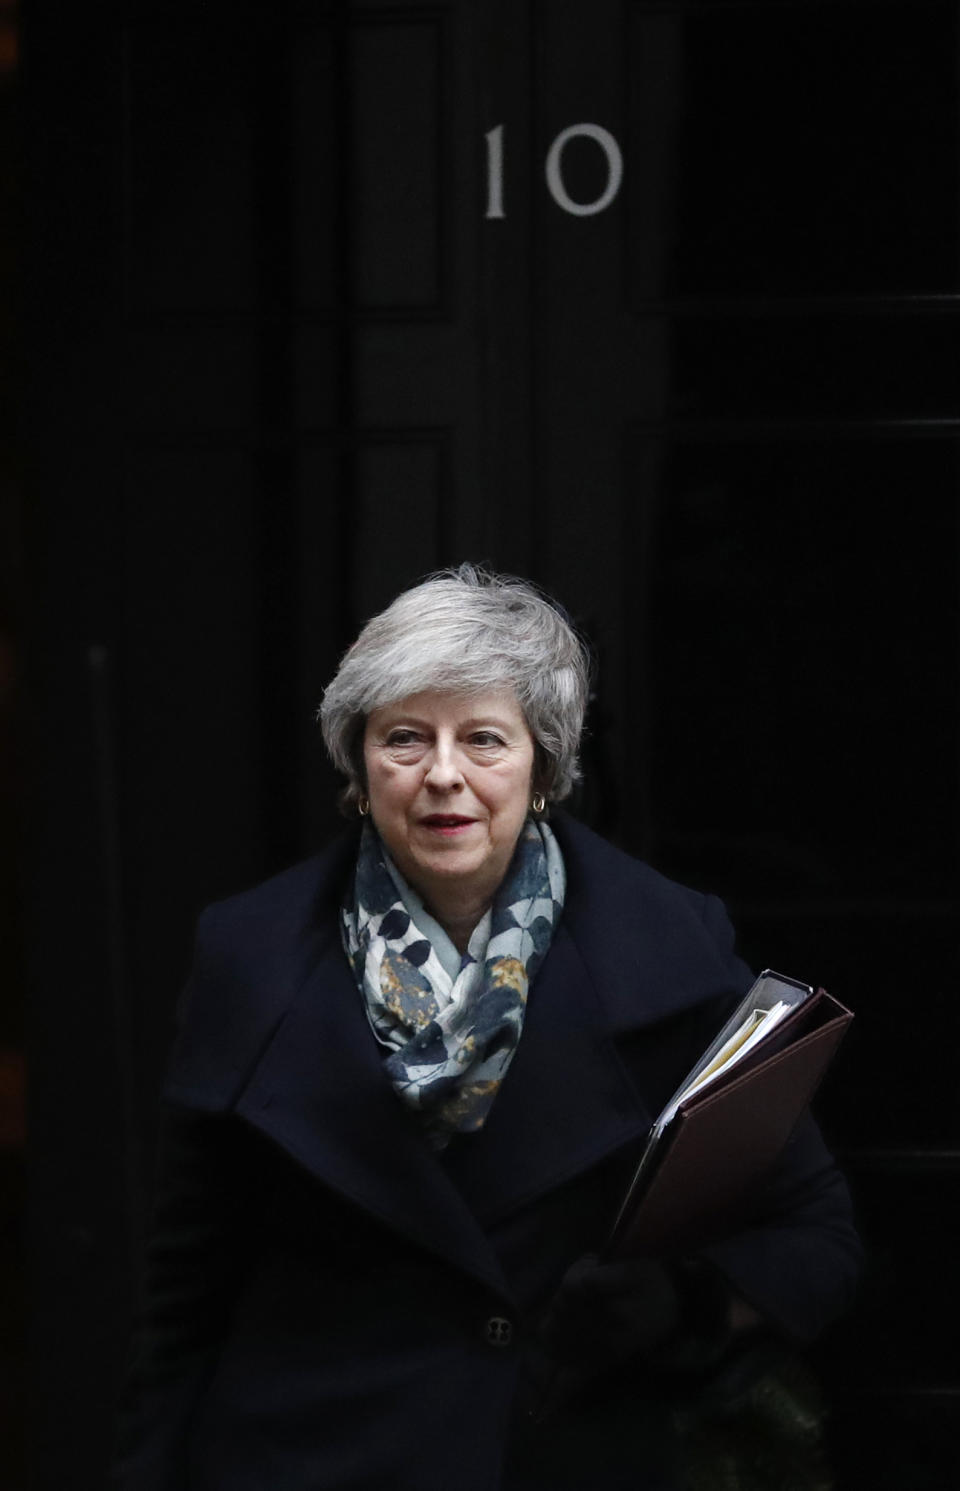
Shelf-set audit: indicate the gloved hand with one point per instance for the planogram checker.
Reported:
(672, 1318)
(605, 1312)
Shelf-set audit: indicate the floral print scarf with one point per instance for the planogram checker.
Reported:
(450, 1038)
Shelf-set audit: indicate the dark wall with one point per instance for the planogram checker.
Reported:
(292, 346)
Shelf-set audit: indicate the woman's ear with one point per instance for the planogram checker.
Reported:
(541, 776)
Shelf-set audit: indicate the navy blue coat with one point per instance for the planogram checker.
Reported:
(320, 1285)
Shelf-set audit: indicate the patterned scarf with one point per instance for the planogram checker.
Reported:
(451, 1039)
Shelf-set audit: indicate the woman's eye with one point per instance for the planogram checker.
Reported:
(402, 738)
(485, 738)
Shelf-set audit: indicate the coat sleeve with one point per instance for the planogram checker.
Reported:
(797, 1256)
(195, 1259)
(209, 1188)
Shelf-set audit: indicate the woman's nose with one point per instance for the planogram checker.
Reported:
(444, 773)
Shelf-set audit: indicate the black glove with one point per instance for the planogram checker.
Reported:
(638, 1310)
(604, 1313)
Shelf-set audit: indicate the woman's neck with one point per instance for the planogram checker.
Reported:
(457, 915)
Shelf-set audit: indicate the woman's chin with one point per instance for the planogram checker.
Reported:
(451, 863)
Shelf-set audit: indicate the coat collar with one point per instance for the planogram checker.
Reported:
(319, 1090)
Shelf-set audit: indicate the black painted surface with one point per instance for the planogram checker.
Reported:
(282, 365)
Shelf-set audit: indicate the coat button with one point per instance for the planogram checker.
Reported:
(499, 1331)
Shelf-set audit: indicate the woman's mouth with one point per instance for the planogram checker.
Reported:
(448, 824)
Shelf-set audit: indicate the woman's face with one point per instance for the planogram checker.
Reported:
(449, 777)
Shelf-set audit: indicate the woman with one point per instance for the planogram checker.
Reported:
(411, 1078)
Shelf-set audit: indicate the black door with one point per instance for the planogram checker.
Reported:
(653, 302)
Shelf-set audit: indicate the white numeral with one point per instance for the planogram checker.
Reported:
(494, 139)
(553, 170)
(610, 149)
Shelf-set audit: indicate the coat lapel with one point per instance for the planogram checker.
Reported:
(566, 1102)
(319, 1090)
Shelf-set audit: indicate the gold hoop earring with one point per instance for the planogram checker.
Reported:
(363, 806)
(539, 802)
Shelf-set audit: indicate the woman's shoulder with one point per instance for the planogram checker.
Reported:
(591, 857)
(285, 904)
(639, 930)
(253, 952)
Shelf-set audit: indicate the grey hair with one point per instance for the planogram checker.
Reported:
(466, 630)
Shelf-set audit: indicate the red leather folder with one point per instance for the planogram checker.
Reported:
(723, 1138)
